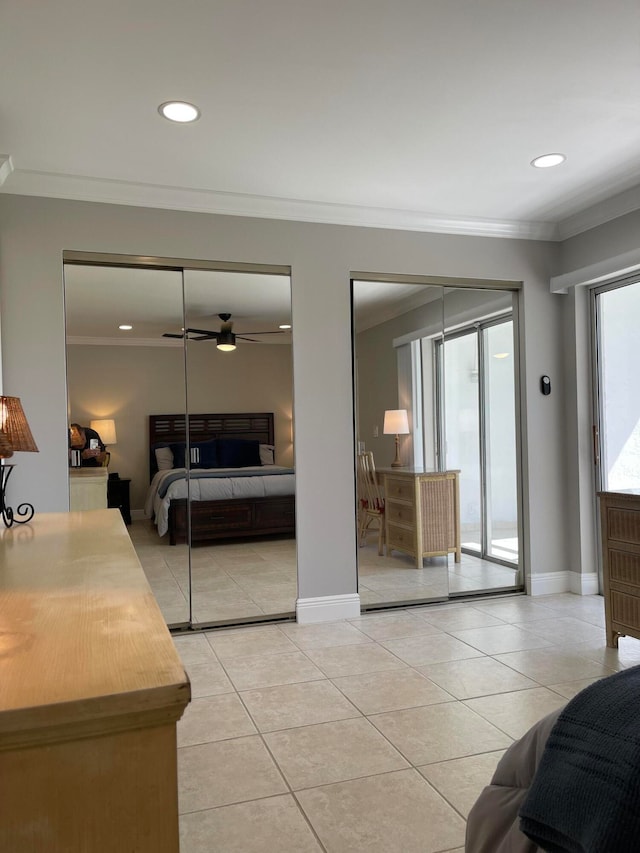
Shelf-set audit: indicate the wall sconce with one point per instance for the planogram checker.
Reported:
(396, 422)
(106, 429)
(14, 435)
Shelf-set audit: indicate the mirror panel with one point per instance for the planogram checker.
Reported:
(126, 376)
(240, 403)
(397, 327)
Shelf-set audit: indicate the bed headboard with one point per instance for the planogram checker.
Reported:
(165, 429)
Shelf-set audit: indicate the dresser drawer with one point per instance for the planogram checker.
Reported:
(623, 525)
(399, 489)
(625, 610)
(401, 537)
(234, 515)
(275, 514)
(624, 566)
(400, 513)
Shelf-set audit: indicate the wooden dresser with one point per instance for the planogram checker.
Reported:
(91, 688)
(88, 488)
(620, 521)
(422, 512)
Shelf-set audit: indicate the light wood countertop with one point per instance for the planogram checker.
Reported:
(83, 643)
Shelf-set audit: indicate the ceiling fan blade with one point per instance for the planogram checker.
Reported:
(278, 332)
(170, 335)
(206, 332)
(243, 338)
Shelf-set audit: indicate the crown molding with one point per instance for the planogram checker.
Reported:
(599, 214)
(79, 188)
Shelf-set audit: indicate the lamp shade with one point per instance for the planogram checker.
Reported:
(13, 424)
(396, 422)
(5, 446)
(106, 429)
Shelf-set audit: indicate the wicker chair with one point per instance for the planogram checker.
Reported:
(370, 500)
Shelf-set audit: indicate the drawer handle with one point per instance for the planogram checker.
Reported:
(216, 518)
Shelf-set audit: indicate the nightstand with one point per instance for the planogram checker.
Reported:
(118, 497)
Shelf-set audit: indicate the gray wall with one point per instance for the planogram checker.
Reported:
(34, 232)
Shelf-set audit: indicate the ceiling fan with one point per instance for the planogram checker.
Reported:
(225, 338)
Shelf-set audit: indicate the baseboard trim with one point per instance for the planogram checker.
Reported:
(327, 608)
(551, 583)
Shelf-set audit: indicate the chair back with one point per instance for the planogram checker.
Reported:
(369, 489)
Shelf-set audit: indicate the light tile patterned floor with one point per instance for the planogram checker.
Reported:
(374, 734)
(238, 580)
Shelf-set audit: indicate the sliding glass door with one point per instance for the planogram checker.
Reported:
(478, 436)
(616, 320)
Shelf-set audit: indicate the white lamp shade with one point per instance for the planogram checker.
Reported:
(106, 429)
(396, 422)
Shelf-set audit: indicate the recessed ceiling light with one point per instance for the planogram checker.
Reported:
(548, 160)
(285, 326)
(125, 328)
(501, 355)
(179, 111)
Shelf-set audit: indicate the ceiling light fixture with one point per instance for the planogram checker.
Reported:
(125, 327)
(285, 326)
(501, 355)
(548, 160)
(226, 341)
(179, 111)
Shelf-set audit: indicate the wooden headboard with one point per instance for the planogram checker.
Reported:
(165, 429)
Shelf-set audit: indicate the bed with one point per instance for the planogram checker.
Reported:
(254, 498)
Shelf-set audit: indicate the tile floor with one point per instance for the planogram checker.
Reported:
(250, 579)
(373, 734)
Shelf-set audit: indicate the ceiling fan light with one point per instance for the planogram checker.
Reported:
(226, 341)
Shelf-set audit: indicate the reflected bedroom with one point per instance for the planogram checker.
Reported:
(193, 367)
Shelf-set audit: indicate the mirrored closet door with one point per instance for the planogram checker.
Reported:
(214, 531)
(437, 435)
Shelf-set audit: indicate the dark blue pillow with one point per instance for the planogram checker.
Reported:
(178, 451)
(238, 453)
(208, 454)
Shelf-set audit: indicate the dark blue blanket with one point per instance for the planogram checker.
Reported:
(585, 796)
(228, 473)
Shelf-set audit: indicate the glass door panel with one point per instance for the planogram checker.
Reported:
(618, 362)
(462, 432)
(500, 443)
(478, 435)
(240, 446)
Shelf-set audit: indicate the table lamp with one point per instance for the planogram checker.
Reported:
(396, 422)
(15, 435)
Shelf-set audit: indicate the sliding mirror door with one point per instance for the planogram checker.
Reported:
(120, 372)
(397, 327)
(478, 426)
(240, 453)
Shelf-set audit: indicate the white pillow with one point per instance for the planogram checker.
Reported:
(266, 454)
(164, 458)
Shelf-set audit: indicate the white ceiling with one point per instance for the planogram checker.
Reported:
(420, 114)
